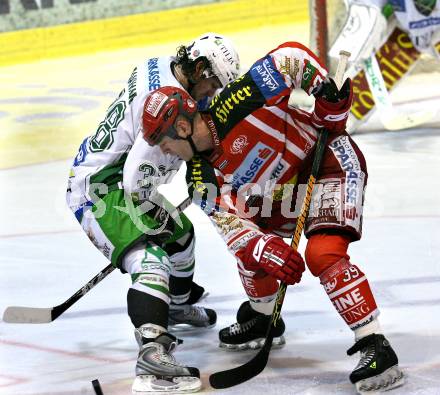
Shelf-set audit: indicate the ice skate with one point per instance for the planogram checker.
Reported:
(249, 332)
(189, 315)
(377, 370)
(157, 370)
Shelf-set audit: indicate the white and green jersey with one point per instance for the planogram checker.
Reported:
(421, 19)
(116, 156)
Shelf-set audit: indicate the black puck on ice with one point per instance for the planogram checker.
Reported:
(97, 387)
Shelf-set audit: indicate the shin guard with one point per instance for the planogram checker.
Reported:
(349, 291)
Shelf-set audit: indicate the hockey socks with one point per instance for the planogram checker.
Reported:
(349, 291)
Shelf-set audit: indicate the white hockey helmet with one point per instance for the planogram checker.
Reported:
(221, 54)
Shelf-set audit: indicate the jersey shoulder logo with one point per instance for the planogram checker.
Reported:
(308, 76)
(425, 7)
(268, 79)
(153, 74)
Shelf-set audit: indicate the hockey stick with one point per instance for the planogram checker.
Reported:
(240, 374)
(390, 119)
(42, 315)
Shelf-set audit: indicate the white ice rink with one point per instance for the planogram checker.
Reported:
(45, 257)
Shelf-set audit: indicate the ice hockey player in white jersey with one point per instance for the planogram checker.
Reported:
(386, 39)
(112, 190)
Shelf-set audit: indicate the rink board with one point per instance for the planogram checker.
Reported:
(177, 25)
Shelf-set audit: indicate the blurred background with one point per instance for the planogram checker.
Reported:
(62, 62)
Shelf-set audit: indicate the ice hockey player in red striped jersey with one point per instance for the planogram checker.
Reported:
(248, 159)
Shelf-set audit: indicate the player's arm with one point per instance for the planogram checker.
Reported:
(293, 66)
(255, 250)
(299, 66)
(270, 79)
(289, 66)
(332, 105)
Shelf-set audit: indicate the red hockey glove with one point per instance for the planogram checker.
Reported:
(271, 254)
(332, 105)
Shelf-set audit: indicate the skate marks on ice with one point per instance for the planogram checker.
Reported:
(312, 362)
(317, 376)
(385, 289)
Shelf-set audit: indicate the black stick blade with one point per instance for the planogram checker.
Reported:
(97, 387)
(240, 374)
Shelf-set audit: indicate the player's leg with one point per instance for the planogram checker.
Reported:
(141, 178)
(148, 303)
(253, 316)
(335, 221)
(184, 292)
(349, 291)
(125, 241)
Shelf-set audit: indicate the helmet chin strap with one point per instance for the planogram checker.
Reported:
(190, 140)
(193, 146)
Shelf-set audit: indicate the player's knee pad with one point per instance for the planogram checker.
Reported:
(324, 250)
(149, 267)
(182, 267)
(348, 289)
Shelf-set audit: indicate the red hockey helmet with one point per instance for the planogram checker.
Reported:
(161, 109)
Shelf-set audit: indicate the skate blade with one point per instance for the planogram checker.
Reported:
(256, 344)
(146, 384)
(185, 326)
(391, 378)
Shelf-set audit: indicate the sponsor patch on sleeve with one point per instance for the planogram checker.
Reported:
(268, 79)
(309, 74)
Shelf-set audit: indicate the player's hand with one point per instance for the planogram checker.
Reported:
(160, 224)
(271, 254)
(165, 221)
(332, 105)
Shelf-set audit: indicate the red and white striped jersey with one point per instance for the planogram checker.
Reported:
(261, 143)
